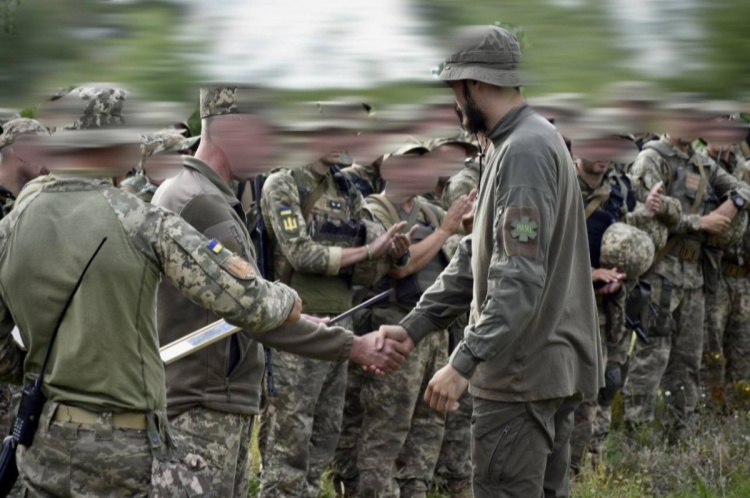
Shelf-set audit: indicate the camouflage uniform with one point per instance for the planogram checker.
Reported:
(302, 422)
(613, 199)
(727, 331)
(400, 436)
(69, 455)
(454, 463)
(673, 355)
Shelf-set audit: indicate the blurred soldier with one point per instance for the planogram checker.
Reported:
(160, 159)
(400, 437)
(453, 469)
(607, 197)
(15, 173)
(672, 356)
(213, 396)
(321, 239)
(532, 347)
(727, 336)
(448, 157)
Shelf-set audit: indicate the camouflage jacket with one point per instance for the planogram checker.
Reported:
(461, 183)
(107, 356)
(680, 172)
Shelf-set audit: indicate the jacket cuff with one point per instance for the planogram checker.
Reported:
(346, 348)
(334, 261)
(464, 361)
(417, 326)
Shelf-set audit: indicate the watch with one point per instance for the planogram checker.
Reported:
(737, 200)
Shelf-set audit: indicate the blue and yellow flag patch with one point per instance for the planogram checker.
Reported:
(215, 246)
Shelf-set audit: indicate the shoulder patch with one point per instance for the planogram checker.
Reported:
(521, 232)
(288, 220)
(239, 267)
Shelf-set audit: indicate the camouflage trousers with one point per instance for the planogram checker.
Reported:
(69, 459)
(9, 395)
(223, 440)
(302, 424)
(345, 472)
(726, 358)
(672, 357)
(591, 420)
(401, 436)
(454, 463)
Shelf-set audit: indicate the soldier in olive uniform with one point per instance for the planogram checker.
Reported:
(673, 355)
(727, 337)
(321, 238)
(532, 347)
(401, 437)
(159, 160)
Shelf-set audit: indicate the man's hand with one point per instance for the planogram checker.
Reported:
(316, 319)
(385, 359)
(296, 311)
(379, 246)
(654, 199)
(401, 243)
(396, 333)
(445, 388)
(727, 209)
(463, 206)
(612, 280)
(715, 222)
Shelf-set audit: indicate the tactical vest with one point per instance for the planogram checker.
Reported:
(409, 290)
(683, 182)
(330, 223)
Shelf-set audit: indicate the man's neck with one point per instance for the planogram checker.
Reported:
(215, 159)
(593, 180)
(495, 113)
(320, 167)
(11, 179)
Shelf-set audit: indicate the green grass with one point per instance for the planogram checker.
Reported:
(713, 461)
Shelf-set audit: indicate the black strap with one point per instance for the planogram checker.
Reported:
(40, 379)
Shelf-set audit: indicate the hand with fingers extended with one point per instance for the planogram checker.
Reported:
(378, 353)
(401, 243)
(655, 198)
(443, 391)
(384, 243)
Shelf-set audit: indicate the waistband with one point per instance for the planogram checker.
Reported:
(687, 250)
(736, 271)
(126, 420)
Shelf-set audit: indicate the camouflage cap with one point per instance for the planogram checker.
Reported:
(93, 106)
(165, 141)
(21, 126)
(628, 249)
(487, 53)
(469, 146)
(220, 99)
(412, 147)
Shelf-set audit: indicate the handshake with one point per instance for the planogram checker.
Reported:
(383, 351)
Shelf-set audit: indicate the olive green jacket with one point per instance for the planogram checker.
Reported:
(524, 272)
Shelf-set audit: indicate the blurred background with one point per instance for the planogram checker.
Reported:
(382, 50)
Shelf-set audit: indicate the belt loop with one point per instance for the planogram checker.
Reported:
(104, 429)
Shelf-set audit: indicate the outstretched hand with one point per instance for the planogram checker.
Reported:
(378, 354)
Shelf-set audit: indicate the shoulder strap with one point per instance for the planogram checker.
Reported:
(593, 206)
(430, 215)
(413, 214)
(388, 205)
(701, 186)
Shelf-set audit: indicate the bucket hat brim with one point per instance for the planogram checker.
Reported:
(486, 73)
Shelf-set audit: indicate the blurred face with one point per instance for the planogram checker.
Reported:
(94, 163)
(682, 126)
(247, 142)
(160, 167)
(408, 176)
(26, 158)
(446, 160)
(601, 151)
(723, 133)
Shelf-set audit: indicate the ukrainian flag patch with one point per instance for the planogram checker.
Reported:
(215, 246)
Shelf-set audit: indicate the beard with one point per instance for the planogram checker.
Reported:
(474, 119)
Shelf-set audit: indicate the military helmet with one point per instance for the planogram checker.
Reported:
(647, 223)
(628, 249)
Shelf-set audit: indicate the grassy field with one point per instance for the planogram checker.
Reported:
(712, 462)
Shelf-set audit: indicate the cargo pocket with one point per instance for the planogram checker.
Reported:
(186, 478)
(494, 441)
(662, 322)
